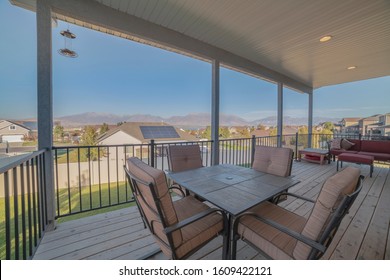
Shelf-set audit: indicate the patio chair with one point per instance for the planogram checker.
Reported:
(273, 160)
(179, 227)
(281, 234)
(182, 158)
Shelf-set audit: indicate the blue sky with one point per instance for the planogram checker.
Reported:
(113, 75)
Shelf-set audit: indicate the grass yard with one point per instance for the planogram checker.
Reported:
(80, 199)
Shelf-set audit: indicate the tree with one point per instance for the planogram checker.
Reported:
(58, 132)
(103, 128)
(207, 133)
(328, 126)
(224, 132)
(89, 139)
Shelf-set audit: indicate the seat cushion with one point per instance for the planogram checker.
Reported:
(199, 232)
(271, 241)
(356, 158)
(338, 152)
(377, 156)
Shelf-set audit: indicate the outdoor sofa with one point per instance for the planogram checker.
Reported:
(380, 150)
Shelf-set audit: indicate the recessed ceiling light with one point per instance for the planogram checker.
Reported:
(351, 67)
(326, 38)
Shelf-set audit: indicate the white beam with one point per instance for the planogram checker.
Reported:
(280, 114)
(215, 111)
(45, 101)
(310, 120)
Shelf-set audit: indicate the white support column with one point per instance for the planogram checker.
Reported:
(280, 114)
(45, 101)
(215, 111)
(310, 120)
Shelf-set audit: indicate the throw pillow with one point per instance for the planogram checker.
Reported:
(346, 145)
(336, 144)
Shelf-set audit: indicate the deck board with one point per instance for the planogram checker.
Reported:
(120, 234)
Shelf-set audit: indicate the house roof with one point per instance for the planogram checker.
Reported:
(134, 129)
(277, 40)
(260, 133)
(6, 123)
(351, 119)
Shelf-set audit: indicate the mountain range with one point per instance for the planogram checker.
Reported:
(189, 120)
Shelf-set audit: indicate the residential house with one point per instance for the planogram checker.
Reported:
(142, 133)
(367, 126)
(384, 125)
(349, 125)
(137, 133)
(12, 132)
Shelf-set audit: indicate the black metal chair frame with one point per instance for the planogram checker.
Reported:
(133, 181)
(318, 246)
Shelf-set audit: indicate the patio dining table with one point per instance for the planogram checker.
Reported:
(233, 189)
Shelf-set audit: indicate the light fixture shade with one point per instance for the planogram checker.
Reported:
(68, 53)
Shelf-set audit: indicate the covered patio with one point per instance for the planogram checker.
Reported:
(278, 41)
(120, 234)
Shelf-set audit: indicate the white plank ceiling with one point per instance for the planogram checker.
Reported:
(279, 35)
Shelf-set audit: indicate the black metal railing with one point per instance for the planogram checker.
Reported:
(24, 205)
(92, 177)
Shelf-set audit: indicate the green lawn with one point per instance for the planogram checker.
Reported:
(84, 198)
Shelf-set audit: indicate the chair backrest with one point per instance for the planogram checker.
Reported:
(150, 189)
(273, 160)
(184, 157)
(336, 197)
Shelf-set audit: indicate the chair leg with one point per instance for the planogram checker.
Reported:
(371, 169)
(235, 237)
(337, 169)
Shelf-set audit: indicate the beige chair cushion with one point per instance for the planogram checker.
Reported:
(157, 177)
(271, 241)
(184, 157)
(273, 160)
(199, 232)
(334, 188)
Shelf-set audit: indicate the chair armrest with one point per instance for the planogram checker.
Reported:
(297, 196)
(312, 243)
(178, 188)
(193, 219)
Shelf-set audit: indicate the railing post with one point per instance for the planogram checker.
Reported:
(45, 102)
(296, 146)
(152, 146)
(309, 140)
(253, 149)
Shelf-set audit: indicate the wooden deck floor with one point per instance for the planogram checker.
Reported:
(363, 234)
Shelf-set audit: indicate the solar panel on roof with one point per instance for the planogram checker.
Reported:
(156, 132)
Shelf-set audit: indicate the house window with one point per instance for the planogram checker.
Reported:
(12, 127)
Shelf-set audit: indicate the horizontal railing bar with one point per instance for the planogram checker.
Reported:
(18, 160)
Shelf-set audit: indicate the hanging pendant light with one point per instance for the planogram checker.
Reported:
(67, 51)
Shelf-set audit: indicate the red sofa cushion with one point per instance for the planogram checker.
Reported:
(356, 158)
(377, 156)
(373, 146)
(337, 152)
